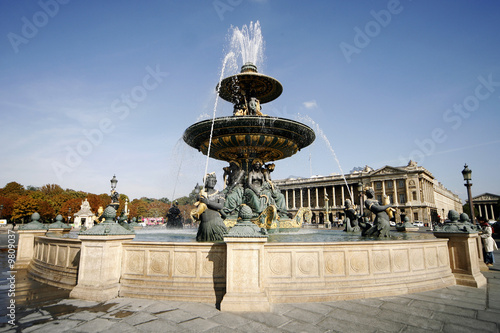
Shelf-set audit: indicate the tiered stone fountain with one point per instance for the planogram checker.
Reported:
(249, 141)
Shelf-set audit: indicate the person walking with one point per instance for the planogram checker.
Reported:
(489, 244)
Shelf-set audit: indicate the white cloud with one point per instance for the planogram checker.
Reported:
(310, 104)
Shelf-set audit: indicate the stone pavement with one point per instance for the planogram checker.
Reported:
(41, 308)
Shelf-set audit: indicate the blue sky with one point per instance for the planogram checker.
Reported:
(89, 89)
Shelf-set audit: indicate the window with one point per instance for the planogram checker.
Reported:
(389, 184)
(414, 195)
(401, 183)
(379, 198)
(402, 198)
(378, 185)
(415, 216)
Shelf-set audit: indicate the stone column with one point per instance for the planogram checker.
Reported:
(244, 267)
(317, 198)
(308, 197)
(334, 199)
(100, 266)
(26, 241)
(293, 198)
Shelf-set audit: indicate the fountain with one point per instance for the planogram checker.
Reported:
(249, 141)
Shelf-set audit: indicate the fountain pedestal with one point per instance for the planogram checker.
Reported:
(26, 241)
(244, 267)
(244, 275)
(464, 258)
(101, 260)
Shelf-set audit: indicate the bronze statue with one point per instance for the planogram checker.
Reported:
(234, 178)
(261, 192)
(174, 219)
(351, 218)
(381, 224)
(210, 203)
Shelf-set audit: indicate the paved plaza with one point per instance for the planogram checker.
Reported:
(41, 308)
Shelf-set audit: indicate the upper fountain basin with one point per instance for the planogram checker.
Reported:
(240, 87)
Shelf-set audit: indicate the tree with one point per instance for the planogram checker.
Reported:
(75, 204)
(13, 190)
(24, 207)
(138, 208)
(8, 207)
(164, 200)
(157, 209)
(51, 190)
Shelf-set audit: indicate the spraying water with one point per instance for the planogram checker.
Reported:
(319, 132)
(229, 55)
(248, 43)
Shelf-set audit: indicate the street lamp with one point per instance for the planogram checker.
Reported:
(113, 182)
(466, 172)
(361, 203)
(69, 214)
(1, 209)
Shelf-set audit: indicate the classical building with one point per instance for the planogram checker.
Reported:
(412, 190)
(488, 205)
(84, 217)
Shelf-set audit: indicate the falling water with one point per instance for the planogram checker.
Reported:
(229, 55)
(319, 132)
(248, 43)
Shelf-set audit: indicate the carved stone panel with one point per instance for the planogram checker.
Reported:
(280, 264)
(358, 263)
(214, 264)
(401, 262)
(335, 263)
(307, 264)
(62, 255)
(381, 261)
(417, 259)
(431, 259)
(134, 262)
(185, 264)
(158, 263)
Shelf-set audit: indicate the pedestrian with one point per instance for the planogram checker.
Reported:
(489, 244)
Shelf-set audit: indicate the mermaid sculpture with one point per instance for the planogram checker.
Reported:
(208, 212)
(351, 218)
(381, 224)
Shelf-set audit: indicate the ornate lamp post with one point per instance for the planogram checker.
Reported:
(1, 209)
(69, 215)
(466, 172)
(113, 182)
(361, 203)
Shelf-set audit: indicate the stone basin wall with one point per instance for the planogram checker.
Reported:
(291, 272)
(55, 261)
